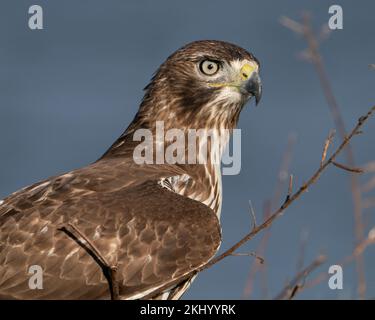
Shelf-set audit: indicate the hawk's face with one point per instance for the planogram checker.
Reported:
(204, 83)
(213, 68)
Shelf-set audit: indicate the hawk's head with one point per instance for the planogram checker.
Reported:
(203, 84)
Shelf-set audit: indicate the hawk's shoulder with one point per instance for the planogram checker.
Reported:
(152, 234)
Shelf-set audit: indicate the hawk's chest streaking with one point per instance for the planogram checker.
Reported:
(203, 180)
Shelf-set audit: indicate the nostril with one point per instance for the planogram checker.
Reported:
(244, 75)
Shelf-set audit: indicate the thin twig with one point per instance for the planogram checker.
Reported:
(255, 266)
(291, 24)
(347, 168)
(90, 243)
(326, 145)
(249, 254)
(290, 291)
(290, 188)
(267, 210)
(110, 272)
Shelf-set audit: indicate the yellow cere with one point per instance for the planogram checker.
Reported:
(245, 73)
(247, 70)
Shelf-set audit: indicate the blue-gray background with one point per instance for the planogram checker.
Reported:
(68, 91)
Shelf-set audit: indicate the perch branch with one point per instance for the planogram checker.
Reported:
(110, 272)
(268, 222)
(294, 196)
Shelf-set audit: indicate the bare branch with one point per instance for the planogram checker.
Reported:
(255, 266)
(292, 25)
(326, 146)
(347, 168)
(84, 239)
(290, 291)
(267, 210)
(249, 254)
(290, 187)
(110, 272)
(294, 196)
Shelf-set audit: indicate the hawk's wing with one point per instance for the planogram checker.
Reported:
(153, 235)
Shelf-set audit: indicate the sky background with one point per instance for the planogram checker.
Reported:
(68, 91)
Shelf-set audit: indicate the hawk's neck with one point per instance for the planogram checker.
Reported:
(202, 181)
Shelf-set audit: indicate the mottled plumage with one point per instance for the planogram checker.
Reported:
(155, 222)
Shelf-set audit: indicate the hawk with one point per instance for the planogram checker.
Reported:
(133, 229)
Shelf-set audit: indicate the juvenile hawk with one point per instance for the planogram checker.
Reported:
(154, 222)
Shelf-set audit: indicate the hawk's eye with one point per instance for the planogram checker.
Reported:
(209, 67)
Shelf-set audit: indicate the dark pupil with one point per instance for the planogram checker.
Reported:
(210, 66)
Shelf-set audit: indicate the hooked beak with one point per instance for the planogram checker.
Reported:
(253, 86)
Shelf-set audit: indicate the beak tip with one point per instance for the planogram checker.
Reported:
(254, 87)
(258, 96)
